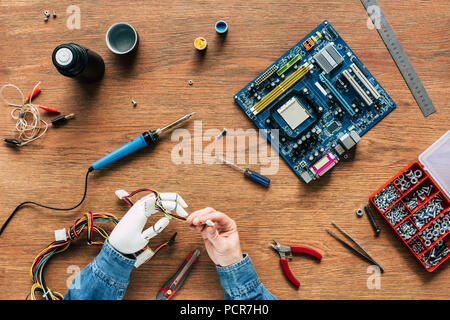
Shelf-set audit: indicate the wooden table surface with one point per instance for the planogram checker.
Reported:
(51, 170)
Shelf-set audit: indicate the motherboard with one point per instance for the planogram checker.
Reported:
(320, 98)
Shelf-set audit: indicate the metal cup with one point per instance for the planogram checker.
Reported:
(121, 38)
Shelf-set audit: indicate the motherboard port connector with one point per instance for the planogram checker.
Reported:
(308, 44)
(324, 165)
(349, 140)
(266, 74)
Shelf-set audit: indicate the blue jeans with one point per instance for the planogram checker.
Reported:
(107, 278)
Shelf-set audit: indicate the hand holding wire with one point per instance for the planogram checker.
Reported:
(221, 237)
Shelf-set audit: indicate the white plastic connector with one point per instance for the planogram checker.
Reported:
(121, 193)
(60, 235)
(209, 223)
(144, 256)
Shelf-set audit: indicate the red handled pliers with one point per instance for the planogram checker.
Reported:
(283, 250)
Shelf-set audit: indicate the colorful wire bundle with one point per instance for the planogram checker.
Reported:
(29, 124)
(86, 223)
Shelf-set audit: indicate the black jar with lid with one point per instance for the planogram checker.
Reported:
(73, 60)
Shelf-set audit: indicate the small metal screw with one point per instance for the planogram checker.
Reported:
(190, 82)
(222, 133)
(54, 14)
(46, 19)
(47, 13)
(134, 103)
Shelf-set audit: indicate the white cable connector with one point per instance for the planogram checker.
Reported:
(144, 256)
(121, 193)
(61, 235)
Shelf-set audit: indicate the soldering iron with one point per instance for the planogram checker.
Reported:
(146, 139)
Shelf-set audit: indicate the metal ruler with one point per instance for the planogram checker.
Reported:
(399, 55)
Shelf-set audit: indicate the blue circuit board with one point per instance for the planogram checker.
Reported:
(315, 102)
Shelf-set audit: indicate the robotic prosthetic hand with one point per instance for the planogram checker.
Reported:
(129, 236)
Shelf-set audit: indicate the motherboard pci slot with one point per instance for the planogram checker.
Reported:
(337, 94)
(357, 87)
(365, 81)
(278, 90)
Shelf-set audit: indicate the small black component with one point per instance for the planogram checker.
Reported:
(151, 137)
(172, 239)
(331, 101)
(331, 32)
(13, 142)
(332, 127)
(372, 220)
(311, 100)
(360, 67)
(342, 85)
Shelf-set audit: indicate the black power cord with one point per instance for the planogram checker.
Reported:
(48, 207)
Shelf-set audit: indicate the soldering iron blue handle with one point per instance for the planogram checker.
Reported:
(123, 151)
(262, 180)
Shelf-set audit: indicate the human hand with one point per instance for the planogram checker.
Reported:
(221, 239)
(128, 236)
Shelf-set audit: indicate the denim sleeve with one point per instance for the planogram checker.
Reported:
(105, 278)
(240, 282)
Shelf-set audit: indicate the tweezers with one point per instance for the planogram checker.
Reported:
(363, 253)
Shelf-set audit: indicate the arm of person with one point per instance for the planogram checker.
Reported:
(108, 275)
(240, 281)
(105, 278)
(237, 274)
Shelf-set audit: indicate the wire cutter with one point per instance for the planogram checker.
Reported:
(284, 250)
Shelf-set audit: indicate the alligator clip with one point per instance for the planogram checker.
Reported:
(284, 250)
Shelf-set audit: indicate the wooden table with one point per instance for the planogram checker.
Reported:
(51, 170)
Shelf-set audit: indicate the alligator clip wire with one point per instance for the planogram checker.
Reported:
(33, 93)
(49, 109)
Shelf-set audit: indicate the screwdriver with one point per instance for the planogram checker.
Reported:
(252, 175)
(146, 139)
